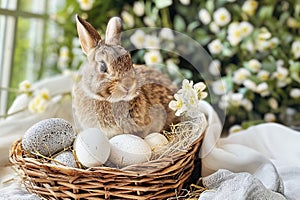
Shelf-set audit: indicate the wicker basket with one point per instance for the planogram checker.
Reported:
(157, 179)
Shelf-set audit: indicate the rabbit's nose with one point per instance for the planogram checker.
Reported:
(127, 83)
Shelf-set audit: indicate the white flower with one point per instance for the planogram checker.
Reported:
(273, 103)
(296, 49)
(63, 60)
(250, 85)
(139, 8)
(279, 63)
(85, 4)
(263, 75)
(236, 99)
(247, 104)
(215, 46)
(166, 33)
(148, 21)
(152, 42)
(234, 34)
(224, 102)
(235, 128)
(153, 57)
(215, 67)
(25, 87)
(295, 93)
(221, 16)
(246, 28)
(249, 45)
(281, 73)
(204, 16)
(186, 86)
(263, 89)
(240, 75)
(254, 65)
(138, 39)
(199, 89)
(64, 52)
(219, 87)
(264, 34)
(213, 27)
(185, 2)
(249, 7)
(270, 117)
(39, 103)
(187, 98)
(273, 42)
(178, 105)
(127, 19)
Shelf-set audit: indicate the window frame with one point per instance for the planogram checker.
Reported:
(10, 15)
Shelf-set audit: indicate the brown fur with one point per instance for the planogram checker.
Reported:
(126, 98)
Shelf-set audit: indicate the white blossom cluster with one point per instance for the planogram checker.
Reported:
(187, 99)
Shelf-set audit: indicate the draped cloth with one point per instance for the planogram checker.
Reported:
(261, 161)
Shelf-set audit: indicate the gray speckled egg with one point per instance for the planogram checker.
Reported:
(48, 136)
(65, 158)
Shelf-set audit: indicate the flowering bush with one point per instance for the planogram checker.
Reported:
(255, 47)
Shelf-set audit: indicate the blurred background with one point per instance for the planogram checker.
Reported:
(254, 48)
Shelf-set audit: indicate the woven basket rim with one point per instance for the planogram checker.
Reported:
(16, 157)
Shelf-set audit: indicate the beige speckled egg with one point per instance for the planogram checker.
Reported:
(65, 158)
(128, 149)
(48, 136)
(156, 141)
(92, 147)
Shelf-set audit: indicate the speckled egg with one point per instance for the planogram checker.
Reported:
(48, 136)
(156, 141)
(65, 158)
(92, 147)
(128, 149)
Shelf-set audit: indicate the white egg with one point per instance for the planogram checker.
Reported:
(156, 141)
(92, 147)
(128, 149)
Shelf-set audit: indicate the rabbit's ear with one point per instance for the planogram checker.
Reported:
(113, 31)
(88, 36)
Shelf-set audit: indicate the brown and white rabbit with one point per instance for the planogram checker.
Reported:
(115, 95)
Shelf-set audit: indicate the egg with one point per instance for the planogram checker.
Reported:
(92, 147)
(127, 149)
(48, 136)
(156, 141)
(65, 158)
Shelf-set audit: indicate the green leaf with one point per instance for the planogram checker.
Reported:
(179, 23)
(193, 26)
(266, 12)
(210, 6)
(162, 3)
(202, 36)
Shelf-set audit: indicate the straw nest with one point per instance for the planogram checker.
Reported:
(164, 176)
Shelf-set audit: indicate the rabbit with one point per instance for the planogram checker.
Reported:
(115, 95)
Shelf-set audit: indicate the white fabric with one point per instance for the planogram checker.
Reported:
(270, 152)
(12, 128)
(228, 185)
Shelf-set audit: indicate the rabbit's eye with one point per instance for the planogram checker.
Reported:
(102, 66)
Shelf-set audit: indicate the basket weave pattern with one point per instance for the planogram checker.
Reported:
(156, 179)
